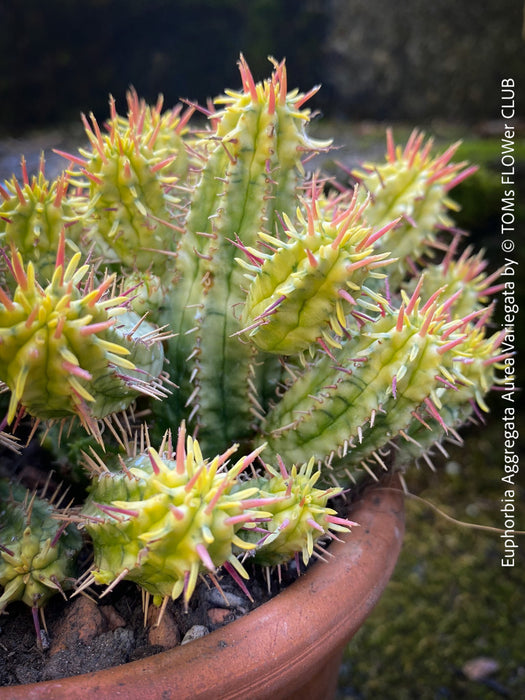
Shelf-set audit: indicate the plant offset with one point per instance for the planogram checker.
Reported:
(223, 341)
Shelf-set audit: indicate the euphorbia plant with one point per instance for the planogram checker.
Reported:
(192, 297)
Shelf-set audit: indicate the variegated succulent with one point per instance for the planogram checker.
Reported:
(37, 551)
(200, 279)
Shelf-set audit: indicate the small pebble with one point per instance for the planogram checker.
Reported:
(229, 599)
(479, 668)
(165, 634)
(195, 632)
(82, 622)
(453, 468)
(112, 617)
(220, 616)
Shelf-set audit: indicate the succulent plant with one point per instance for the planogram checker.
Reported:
(310, 279)
(168, 515)
(127, 176)
(200, 280)
(367, 393)
(34, 214)
(251, 176)
(37, 551)
(412, 184)
(299, 514)
(64, 349)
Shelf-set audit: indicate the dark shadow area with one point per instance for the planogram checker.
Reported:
(377, 60)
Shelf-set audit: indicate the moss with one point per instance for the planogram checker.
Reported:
(449, 600)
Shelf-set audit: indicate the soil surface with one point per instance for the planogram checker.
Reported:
(85, 634)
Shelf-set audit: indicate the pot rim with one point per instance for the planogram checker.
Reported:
(278, 636)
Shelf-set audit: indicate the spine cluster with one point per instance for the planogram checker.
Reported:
(250, 177)
(381, 385)
(299, 512)
(64, 351)
(167, 516)
(412, 184)
(304, 287)
(37, 551)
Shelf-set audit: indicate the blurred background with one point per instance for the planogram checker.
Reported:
(452, 621)
(376, 59)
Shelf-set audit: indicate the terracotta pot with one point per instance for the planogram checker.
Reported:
(289, 647)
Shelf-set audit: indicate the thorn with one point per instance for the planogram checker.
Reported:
(114, 583)
(231, 569)
(6, 301)
(400, 318)
(408, 438)
(326, 348)
(367, 469)
(248, 82)
(390, 146)
(372, 238)
(204, 556)
(311, 258)
(415, 296)
(435, 414)
(307, 96)
(97, 327)
(451, 344)
(418, 418)
(69, 156)
(232, 158)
